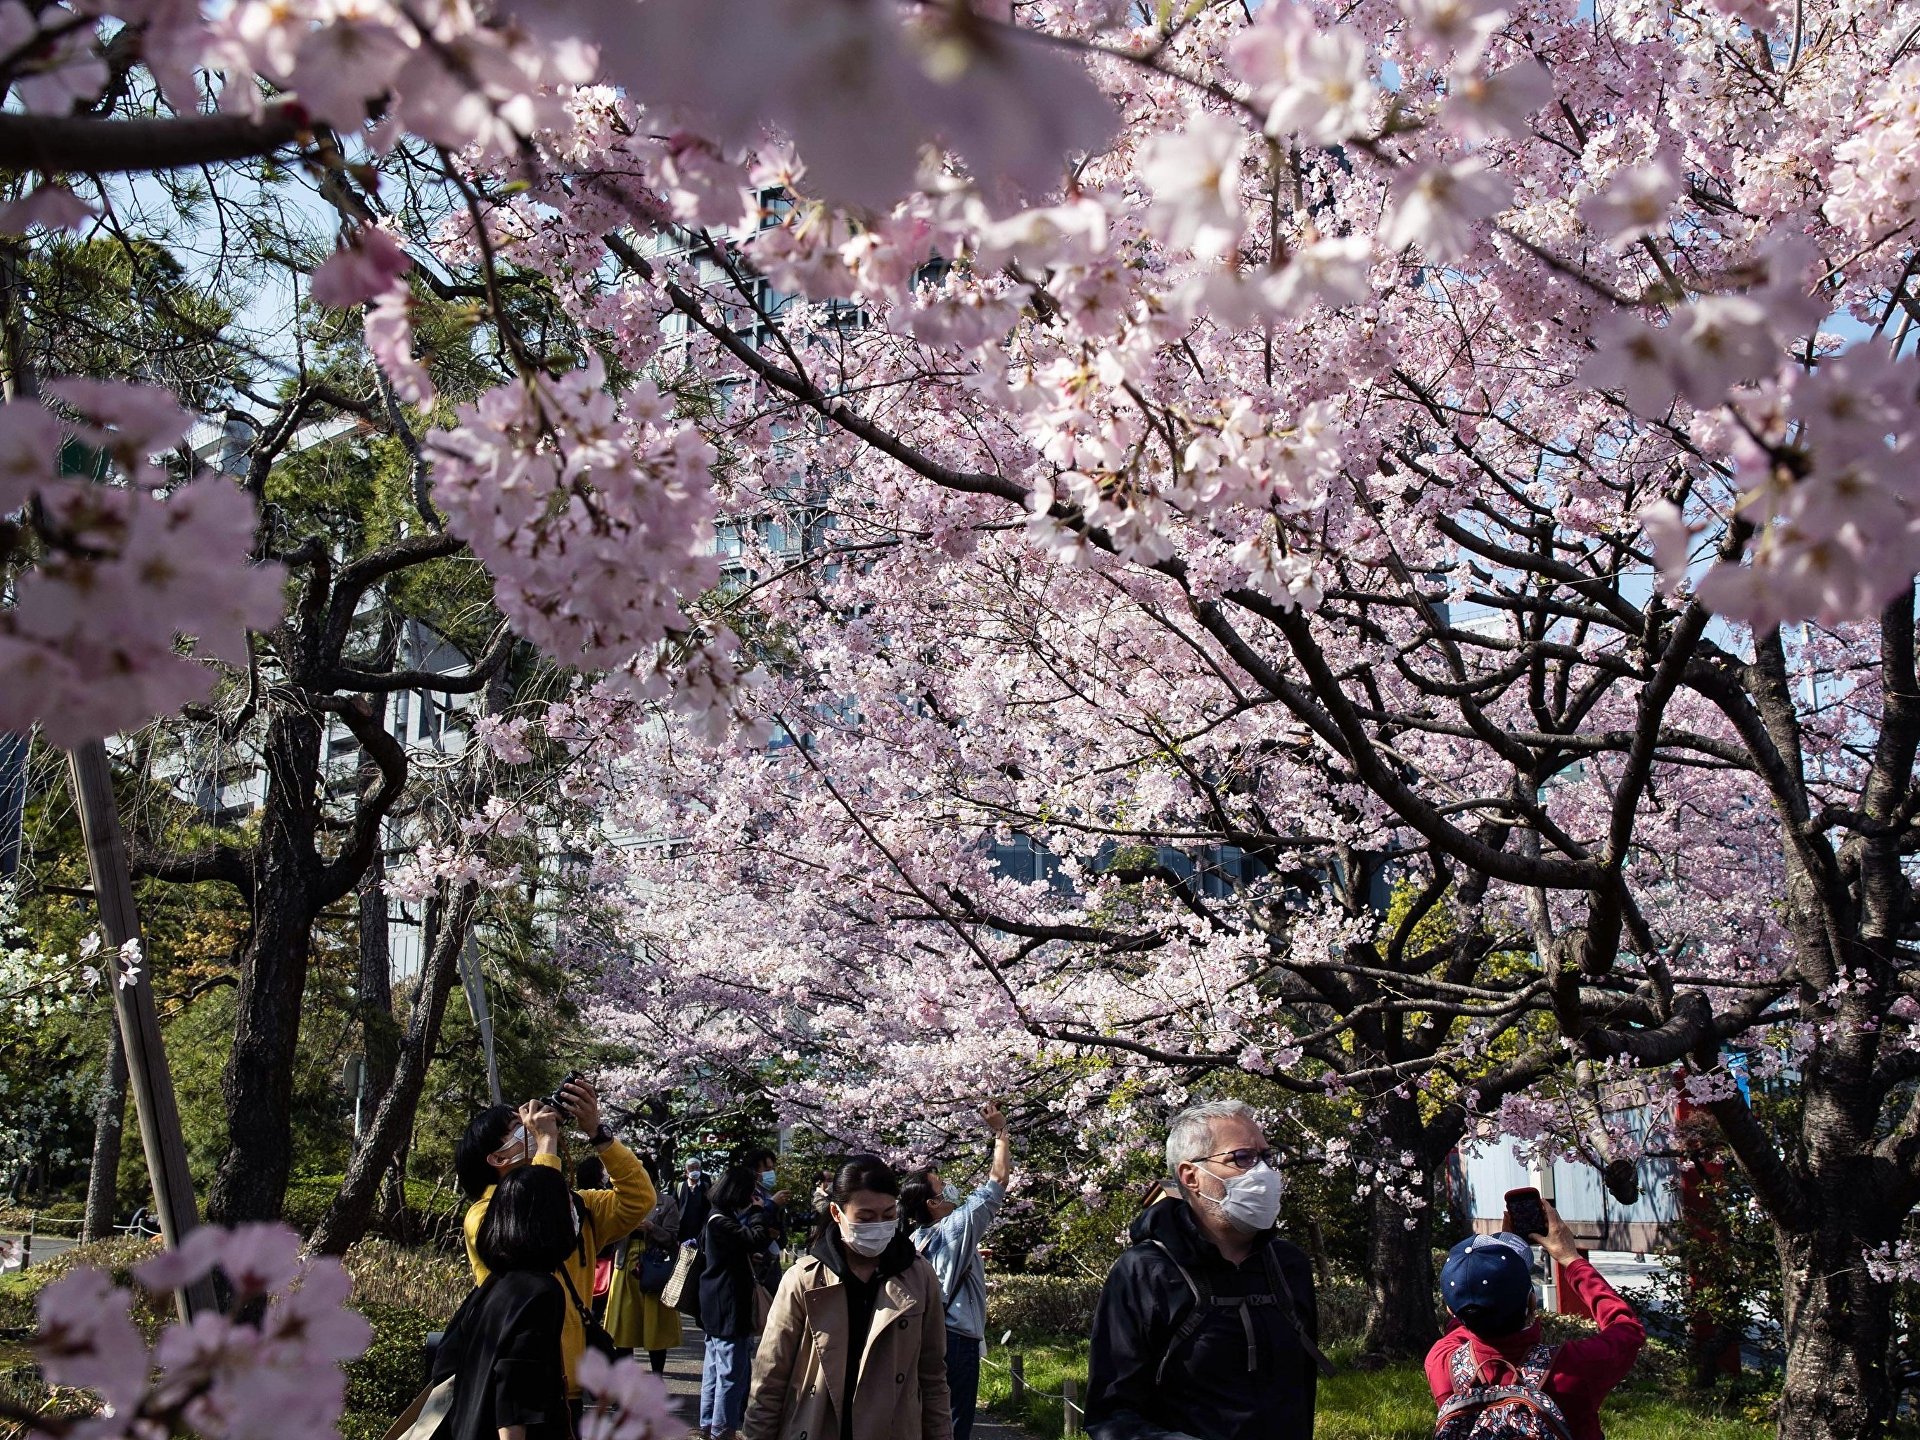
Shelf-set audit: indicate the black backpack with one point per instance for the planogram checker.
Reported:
(1205, 1299)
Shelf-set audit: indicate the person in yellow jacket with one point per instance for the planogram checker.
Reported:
(501, 1139)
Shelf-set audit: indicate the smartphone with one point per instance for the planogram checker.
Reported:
(1525, 1210)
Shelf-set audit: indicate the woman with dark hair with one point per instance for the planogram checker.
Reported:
(856, 1344)
(503, 1343)
(735, 1232)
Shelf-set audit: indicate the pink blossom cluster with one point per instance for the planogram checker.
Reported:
(277, 1373)
(130, 561)
(592, 512)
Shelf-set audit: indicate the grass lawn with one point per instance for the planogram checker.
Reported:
(1395, 1404)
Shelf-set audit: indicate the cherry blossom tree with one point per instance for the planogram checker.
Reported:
(1493, 420)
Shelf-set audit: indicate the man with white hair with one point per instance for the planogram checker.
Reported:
(1206, 1327)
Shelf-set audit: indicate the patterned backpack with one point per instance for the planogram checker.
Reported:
(1477, 1411)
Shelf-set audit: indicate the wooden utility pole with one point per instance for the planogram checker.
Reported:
(147, 1073)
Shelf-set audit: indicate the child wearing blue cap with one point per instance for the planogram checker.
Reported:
(1492, 1375)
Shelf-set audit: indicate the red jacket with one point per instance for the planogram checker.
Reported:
(1583, 1370)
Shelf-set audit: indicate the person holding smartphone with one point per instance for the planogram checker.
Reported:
(1494, 1347)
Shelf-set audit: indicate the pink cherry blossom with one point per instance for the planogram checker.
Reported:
(1438, 209)
(1194, 175)
(368, 266)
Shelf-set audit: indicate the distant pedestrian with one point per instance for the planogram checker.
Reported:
(1491, 1372)
(735, 1233)
(503, 1344)
(947, 1231)
(637, 1318)
(501, 1141)
(692, 1195)
(855, 1345)
(1206, 1325)
(765, 1165)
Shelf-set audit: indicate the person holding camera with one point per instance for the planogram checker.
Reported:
(1493, 1357)
(500, 1140)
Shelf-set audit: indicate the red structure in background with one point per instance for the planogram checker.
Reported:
(1702, 1168)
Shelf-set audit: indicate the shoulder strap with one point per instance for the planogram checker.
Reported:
(1461, 1369)
(1278, 1275)
(1533, 1370)
(1196, 1317)
(586, 1315)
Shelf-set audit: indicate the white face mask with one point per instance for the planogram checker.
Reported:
(868, 1237)
(516, 1148)
(1252, 1201)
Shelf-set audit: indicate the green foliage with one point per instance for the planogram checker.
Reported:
(1723, 1274)
(1040, 1308)
(396, 1275)
(20, 1290)
(383, 1381)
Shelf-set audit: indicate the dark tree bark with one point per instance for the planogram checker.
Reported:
(1401, 1319)
(257, 1086)
(348, 1216)
(379, 1032)
(109, 1126)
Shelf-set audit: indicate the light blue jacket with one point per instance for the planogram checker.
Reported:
(952, 1247)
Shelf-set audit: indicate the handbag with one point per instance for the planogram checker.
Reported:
(656, 1268)
(762, 1307)
(424, 1418)
(679, 1283)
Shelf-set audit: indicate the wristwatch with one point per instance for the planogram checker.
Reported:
(601, 1136)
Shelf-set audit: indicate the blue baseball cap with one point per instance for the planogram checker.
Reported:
(1487, 1282)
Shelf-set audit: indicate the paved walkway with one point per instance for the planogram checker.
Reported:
(683, 1383)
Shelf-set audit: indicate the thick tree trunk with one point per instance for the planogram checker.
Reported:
(1401, 1319)
(347, 1217)
(251, 1182)
(379, 1034)
(1838, 1325)
(109, 1124)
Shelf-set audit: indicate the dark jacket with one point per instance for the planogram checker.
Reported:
(1210, 1386)
(503, 1347)
(728, 1247)
(694, 1209)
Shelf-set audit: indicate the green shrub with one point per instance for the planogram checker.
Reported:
(1040, 1308)
(20, 1290)
(1343, 1309)
(423, 1280)
(383, 1382)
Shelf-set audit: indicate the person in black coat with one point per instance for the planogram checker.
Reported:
(735, 1234)
(1206, 1326)
(503, 1344)
(692, 1195)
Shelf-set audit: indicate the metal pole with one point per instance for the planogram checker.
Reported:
(147, 1072)
(474, 981)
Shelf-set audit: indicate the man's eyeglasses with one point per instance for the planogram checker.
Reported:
(1244, 1158)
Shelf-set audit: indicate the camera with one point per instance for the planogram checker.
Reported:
(558, 1099)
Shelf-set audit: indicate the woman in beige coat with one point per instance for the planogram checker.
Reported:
(856, 1345)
